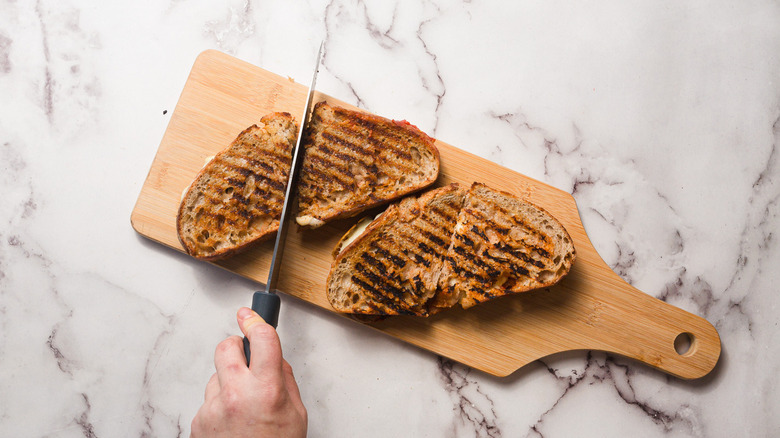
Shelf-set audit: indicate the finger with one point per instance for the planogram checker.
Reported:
(292, 387)
(195, 425)
(264, 345)
(198, 425)
(212, 388)
(289, 381)
(229, 359)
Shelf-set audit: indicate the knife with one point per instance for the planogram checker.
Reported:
(266, 302)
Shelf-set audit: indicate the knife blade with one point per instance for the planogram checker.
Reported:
(266, 302)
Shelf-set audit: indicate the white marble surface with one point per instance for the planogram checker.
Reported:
(662, 118)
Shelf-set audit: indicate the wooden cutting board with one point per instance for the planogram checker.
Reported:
(591, 309)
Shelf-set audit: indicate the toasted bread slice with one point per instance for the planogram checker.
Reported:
(236, 199)
(355, 161)
(392, 267)
(502, 245)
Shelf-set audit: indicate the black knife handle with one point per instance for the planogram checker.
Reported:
(267, 306)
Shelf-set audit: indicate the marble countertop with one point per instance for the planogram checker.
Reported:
(661, 118)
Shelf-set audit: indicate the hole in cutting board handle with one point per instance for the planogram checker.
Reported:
(683, 344)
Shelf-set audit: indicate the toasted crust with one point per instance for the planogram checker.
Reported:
(236, 199)
(355, 161)
(447, 247)
(503, 245)
(392, 268)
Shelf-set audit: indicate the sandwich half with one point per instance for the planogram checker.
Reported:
(355, 161)
(502, 245)
(236, 199)
(392, 267)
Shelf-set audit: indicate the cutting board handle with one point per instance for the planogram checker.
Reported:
(655, 332)
(604, 312)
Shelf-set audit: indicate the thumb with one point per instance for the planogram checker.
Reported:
(264, 345)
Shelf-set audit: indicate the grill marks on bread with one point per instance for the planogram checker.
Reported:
(392, 269)
(355, 161)
(448, 247)
(504, 245)
(237, 198)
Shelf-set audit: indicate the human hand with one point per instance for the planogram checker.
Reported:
(261, 400)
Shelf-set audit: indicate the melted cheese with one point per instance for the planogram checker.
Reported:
(355, 232)
(308, 220)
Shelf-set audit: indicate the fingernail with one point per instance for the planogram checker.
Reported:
(244, 313)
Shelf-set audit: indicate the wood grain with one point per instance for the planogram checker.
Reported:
(591, 309)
